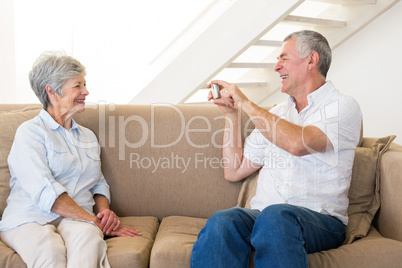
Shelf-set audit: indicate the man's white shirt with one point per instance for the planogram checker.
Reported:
(318, 181)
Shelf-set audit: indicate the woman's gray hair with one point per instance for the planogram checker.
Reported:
(309, 41)
(53, 68)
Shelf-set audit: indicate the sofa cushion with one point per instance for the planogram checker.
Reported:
(371, 251)
(9, 258)
(174, 241)
(9, 122)
(389, 216)
(150, 150)
(121, 251)
(364, 191)
(133, 251)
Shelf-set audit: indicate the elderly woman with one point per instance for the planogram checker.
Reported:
(58, 208)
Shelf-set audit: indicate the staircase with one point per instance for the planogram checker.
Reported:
(239, 43)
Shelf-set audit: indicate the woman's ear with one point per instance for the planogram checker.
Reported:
(52, 95)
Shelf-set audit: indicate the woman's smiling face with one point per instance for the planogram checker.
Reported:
(74, 94)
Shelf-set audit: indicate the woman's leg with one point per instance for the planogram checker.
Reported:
(283, 235)
(85, 244)
(225, 239)
(38, 245)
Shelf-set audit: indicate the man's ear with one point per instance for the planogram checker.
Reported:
(314, 58)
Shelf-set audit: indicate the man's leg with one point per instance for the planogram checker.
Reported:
(84, 243)
(38, 245)
(225, 239)
(283, 235)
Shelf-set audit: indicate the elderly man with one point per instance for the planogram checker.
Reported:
(301, 207)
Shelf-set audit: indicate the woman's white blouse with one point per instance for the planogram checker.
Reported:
(47, 160)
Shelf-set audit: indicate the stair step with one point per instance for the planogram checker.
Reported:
(241, 85)
(315, 21)
(251, 84)
(268, 43)
(345, 2)
(251, 65)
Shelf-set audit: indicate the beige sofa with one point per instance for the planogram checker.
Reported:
(164, 167)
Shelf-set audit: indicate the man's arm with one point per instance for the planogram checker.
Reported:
(236, 166)
(292, 138)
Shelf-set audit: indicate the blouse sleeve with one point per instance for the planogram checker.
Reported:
(29, 165)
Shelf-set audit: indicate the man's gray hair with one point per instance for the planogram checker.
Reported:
(53, 68)
(309, 41)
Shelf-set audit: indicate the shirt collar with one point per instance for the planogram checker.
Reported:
(321, 93)
(317, 95)
(52, 124)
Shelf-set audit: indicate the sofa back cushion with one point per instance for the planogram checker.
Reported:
(9, 122)
(159, 160)
(389, 217)
(163, 160)
(364, 191)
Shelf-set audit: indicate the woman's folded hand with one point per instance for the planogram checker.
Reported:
(109, 221)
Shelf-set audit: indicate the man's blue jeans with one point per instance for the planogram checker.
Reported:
(282, 236)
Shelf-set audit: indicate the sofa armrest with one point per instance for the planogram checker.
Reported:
(389, 217)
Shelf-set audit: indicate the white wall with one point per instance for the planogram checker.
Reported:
(368, 68)
(115, 40)
(7, 52)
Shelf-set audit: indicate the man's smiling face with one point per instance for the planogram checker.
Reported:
(291, 68)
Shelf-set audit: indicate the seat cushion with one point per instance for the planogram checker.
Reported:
(133, 251)
(121, 251)
(9, 258)
(371, 251)
(174, 241)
